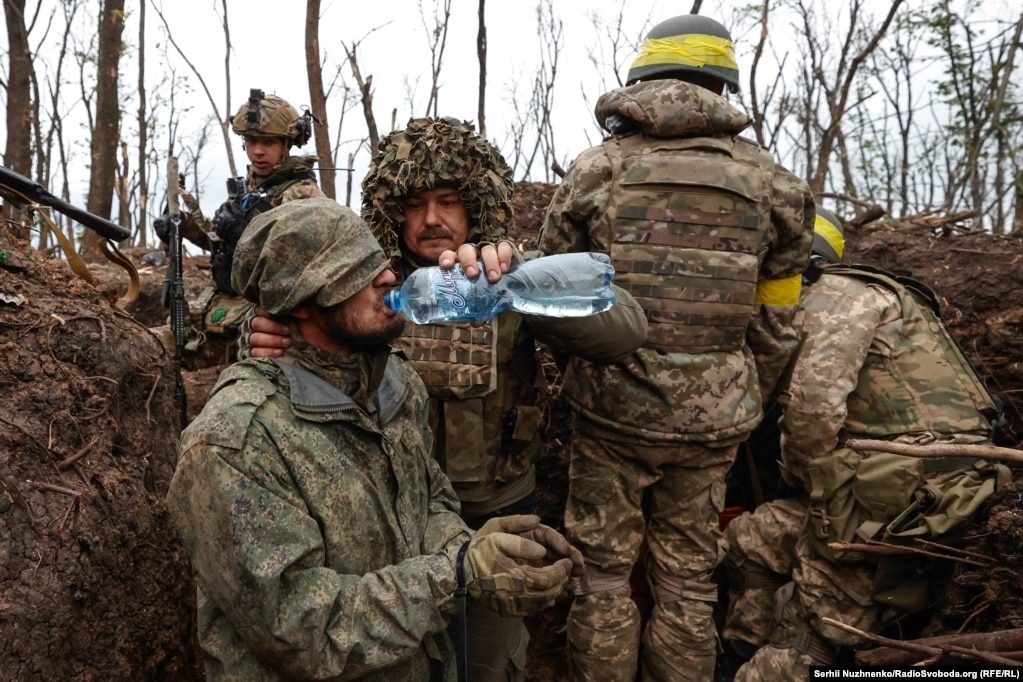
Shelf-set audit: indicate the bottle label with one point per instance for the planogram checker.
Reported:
(449, 287)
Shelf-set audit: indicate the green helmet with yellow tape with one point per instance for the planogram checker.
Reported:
(688, 47)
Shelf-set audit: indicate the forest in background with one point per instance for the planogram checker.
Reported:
(887, 107)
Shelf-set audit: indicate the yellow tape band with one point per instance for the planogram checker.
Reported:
(779, 291)
(690, 49)
(830, 233)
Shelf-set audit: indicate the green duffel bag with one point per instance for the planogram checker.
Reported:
(861, 496)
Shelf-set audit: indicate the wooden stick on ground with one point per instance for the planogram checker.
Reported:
(935, 652)
(938, 449)
(878, 547)
(1005, 642)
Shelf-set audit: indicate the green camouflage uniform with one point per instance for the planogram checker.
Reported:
(710, 236)
(484, 381)
(322, 533)
(215, 316)
(876, 362)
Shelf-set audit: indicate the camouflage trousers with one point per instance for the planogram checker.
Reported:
(671, 496)
(787, 621)
(760, 549)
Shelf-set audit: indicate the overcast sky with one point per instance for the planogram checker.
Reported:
(268, 40)
(269, 53)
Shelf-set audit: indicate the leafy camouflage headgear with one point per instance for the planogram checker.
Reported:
(305, 250)
(431, 153)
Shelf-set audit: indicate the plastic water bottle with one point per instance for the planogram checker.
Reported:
(565, 285)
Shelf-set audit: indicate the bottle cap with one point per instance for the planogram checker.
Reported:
(392, 299)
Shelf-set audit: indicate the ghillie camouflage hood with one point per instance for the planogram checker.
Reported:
(431, 153)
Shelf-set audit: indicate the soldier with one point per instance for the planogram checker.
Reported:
(325, 540)
(432, 188)
(711, 236)
(877, 362)
(270, 127)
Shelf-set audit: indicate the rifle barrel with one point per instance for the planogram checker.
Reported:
(33, 191)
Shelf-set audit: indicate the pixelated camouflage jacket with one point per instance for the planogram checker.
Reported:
(196, 227)
(322, 533)
(876, 362)
(712, 396)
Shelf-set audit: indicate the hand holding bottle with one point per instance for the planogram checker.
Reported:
(565, 285)
(497, 259)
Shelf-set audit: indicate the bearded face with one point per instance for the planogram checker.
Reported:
(362, 322)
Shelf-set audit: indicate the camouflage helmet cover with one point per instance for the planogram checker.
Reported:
(689, 43)
(828, 236)
(305, 250)
(270, 116)
(431, 153)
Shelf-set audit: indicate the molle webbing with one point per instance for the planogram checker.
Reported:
(459, 357)
(261, 199)
(687, 218)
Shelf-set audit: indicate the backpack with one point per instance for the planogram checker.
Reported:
(861, 496)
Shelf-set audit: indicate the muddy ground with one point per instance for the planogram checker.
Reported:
(93, 583)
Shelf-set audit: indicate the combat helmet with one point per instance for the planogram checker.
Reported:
(431, 153)
(828, 236)
(271, 116)
(687, 44)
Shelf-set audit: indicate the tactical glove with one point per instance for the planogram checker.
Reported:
(162, 226)
(519, 566)
(229, 222)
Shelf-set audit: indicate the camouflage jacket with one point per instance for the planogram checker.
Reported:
(876, 362)
(322, 533)
(654, 395)
(196, 227)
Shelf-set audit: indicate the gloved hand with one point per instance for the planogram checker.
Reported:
(519, 566)
(162, 226)
(229, 222)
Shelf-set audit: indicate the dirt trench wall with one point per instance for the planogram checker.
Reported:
(93, 582)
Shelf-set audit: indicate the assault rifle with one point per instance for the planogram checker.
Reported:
(174, 284)
(20, 190)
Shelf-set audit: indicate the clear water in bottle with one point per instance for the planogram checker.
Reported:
(564, 285)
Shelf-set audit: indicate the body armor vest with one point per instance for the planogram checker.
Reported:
(927, 385)
(483, 384)
(260, 198)
(688, 217)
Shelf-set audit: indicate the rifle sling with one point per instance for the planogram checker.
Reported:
(115, 256)
(78, 265)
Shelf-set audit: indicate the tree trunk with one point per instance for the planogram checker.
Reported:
(143, 205)
(1017, 219)
(481, 54)
(317, 97)
(366, 91)
(108, 119)
(18, 154)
